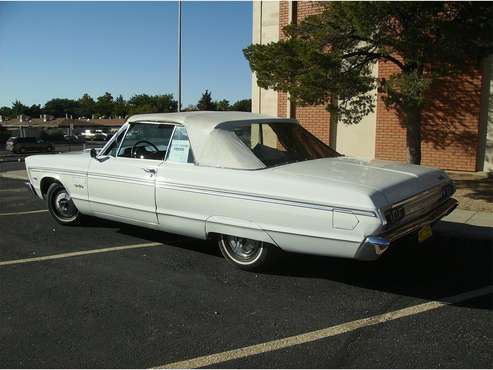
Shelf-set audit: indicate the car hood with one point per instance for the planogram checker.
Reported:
(397, 181)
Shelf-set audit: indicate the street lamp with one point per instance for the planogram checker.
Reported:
(179, 55)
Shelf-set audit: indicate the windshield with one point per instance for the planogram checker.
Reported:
(276, 144)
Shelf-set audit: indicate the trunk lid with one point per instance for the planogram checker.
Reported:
(397, 181)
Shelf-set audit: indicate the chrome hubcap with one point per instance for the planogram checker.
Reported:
(242, 248)
(64, 205)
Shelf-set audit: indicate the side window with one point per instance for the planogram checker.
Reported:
(146, 141)
(111, 150)
(180, 150)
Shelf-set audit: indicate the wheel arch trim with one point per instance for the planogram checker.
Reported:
(47, 180)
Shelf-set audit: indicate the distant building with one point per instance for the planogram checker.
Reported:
(457, 126)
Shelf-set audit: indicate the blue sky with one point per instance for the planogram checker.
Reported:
(64, 49)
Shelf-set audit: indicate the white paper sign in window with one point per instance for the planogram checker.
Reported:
(179, 150)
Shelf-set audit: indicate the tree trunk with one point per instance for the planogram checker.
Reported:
(413, 134)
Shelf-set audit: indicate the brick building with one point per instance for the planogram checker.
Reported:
(457, 126)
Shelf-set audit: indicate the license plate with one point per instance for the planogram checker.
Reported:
(424, 233)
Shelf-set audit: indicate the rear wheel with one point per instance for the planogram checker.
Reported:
(246, 254)
(61, 205)
(22, 150)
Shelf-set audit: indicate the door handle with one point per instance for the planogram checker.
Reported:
(150, 171)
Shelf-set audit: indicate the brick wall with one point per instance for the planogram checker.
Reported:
(314, 118)
(450, 124)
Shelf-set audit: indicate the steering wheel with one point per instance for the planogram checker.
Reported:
(140, 142)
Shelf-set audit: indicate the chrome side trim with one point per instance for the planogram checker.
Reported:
(58, 170)
(153, 211)
(118, 178)
(259, 198)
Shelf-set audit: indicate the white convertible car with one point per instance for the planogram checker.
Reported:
(257, 184)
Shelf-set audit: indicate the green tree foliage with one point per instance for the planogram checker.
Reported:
(205, 102)
(120, 108)
(87, 106)
(61, 107)
(327, 58)
(222, 105)
(18, 108)
(6, 112)
(144, 103)
(34, 111)
(244, 105)
(104, 105)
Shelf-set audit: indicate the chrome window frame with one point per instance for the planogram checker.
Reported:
(191, 148)
(146, 122)
(124, 127)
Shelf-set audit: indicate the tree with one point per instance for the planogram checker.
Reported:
(104, 105)
(6, 112)
(120, 107)
(222, 105)
(61, 107)
(205, 102)
(34, 110)
(165, 103)
(87, 106)
(244, 105)
(327, 58)
(18, 108)
(144, 103)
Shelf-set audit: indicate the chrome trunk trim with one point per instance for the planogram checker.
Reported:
(375, 245)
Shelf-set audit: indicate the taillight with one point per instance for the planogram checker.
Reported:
(395, 214)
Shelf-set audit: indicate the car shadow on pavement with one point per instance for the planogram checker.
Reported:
(446, 265)
(435, 270)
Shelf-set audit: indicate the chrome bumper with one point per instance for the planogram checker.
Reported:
(375, 245)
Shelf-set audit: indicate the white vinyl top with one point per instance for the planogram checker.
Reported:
(211, 144)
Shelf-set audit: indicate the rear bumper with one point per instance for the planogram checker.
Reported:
(375, 245)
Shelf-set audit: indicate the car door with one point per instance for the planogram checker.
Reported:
(179, 210)
(121, 179)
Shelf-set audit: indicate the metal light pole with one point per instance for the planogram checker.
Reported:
(179, 55)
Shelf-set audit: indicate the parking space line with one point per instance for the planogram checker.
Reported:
(274, 345)
(23, 213)
(81, 253)
(15, 190)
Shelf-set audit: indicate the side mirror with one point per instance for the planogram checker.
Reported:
(94, 153)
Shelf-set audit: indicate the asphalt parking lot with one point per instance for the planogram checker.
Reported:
(71, 297)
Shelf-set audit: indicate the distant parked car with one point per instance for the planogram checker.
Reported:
(28, 144)
(73, 139)
(97, 135)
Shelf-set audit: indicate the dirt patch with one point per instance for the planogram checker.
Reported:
(474, 191)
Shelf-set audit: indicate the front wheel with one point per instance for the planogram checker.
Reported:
(61, 205)
(246, 254)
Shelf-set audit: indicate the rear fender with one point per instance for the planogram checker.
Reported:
(236, 227)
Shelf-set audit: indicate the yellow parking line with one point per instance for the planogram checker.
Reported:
(23, 213)
(323, 333)
(81, 253)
